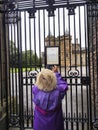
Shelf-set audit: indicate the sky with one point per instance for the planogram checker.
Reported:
(33, 32)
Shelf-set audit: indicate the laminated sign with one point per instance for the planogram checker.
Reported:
(52, 55)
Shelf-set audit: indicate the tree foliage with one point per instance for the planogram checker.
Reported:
(26, 58)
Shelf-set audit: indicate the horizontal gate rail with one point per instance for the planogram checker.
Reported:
(41, 4)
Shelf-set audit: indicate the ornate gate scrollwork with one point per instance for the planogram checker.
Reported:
(33, 74)
(14, 120)
(73, 72)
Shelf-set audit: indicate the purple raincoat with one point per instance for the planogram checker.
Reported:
(48, 106)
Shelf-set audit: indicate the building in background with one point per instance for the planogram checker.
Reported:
(71, 54)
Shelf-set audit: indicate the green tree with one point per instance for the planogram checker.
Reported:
(26, 58)
(13, 52)
(29, 58)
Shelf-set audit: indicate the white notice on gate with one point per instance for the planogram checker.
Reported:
(52, 55)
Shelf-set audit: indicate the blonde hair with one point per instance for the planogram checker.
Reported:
(46, 80)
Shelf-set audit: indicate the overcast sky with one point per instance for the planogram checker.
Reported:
(41, 28)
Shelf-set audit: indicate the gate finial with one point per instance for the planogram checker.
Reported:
(32, 13)
(11, 6)
(50, 7)
(71, 10)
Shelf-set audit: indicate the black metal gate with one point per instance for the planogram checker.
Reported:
(32, 25)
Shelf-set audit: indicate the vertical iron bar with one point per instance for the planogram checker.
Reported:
(20, 76)
(65, 45)
(9, 49)
(6, 70)
(74, 27)
(49, 30)
(26, 65)
(65, 35)
(12, 80)
(81, 67)
(15, 67)
(76, 68)
(12, 49)
(30, 70)
(35, 42)
(54, 29)
(39, 64)
(59, 37)
(76, 64)
(15, 71)
(44, 20)
(30, 44)
(18, 64)
(70, 66)
(86, 60)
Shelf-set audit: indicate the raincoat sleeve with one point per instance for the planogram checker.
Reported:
(34, 89)
(61, 84)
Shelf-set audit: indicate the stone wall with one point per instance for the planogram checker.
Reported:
(93, 49)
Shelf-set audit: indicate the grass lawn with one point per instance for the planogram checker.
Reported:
(16, 70)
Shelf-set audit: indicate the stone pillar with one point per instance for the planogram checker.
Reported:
(93, 49)
(3, 73)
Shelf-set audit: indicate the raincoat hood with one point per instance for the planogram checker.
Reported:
(47, 100)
